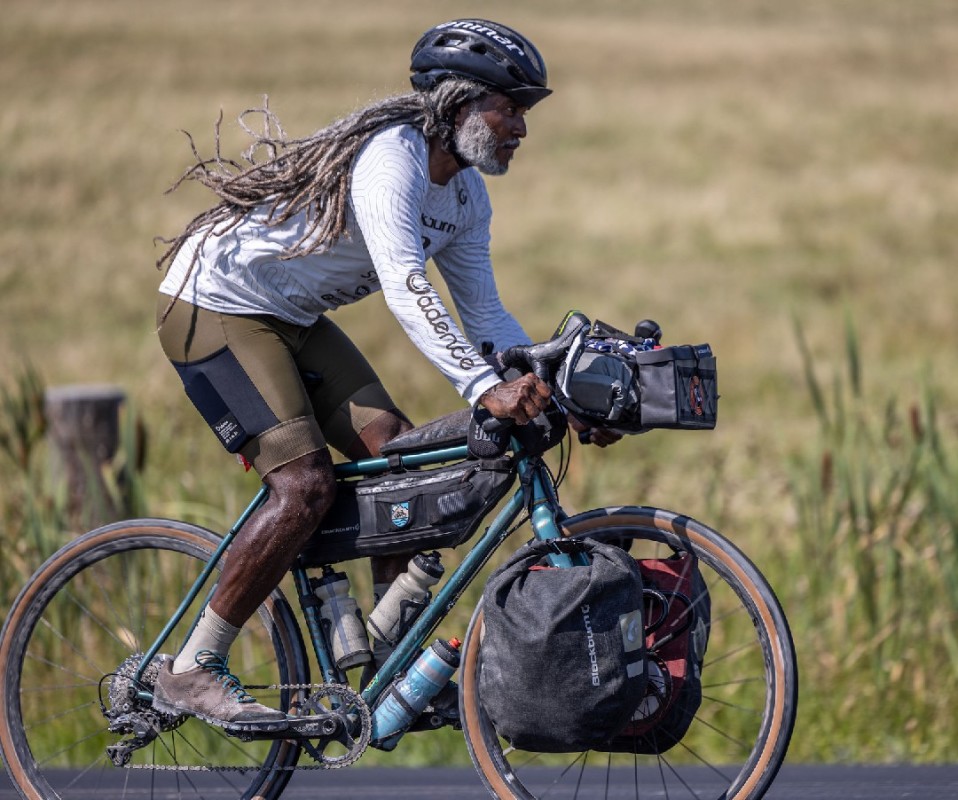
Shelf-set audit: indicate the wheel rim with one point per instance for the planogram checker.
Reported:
(738, 739)
(81, 620)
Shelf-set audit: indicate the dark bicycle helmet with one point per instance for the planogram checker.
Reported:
(484, 51)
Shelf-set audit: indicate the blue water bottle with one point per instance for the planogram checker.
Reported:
(408, 698)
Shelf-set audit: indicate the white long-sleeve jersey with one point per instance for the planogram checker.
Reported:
(397, 219)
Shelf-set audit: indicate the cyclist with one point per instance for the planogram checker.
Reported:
(357, 207)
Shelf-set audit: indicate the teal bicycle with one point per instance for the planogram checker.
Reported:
(83, 641)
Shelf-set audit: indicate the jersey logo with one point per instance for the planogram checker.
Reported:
(437, 224)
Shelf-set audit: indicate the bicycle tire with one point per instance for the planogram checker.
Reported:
(83, 615)
(740, 735)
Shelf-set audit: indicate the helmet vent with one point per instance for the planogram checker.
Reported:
(491, 54)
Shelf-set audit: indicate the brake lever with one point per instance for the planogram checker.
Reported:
(540, 359)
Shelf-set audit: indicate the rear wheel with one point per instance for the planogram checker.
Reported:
(69, 652)
(738, 739)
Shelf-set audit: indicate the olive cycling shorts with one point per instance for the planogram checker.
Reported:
(271, 391)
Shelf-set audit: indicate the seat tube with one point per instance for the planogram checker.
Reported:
(321, 647)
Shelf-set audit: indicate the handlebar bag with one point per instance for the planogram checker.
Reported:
(417, 509)
(563, 662)
(678, 387)
(612, 383)
(677, 619)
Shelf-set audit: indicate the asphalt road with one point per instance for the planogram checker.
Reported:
(794, 783)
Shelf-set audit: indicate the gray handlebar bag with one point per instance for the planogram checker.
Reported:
(563, 663)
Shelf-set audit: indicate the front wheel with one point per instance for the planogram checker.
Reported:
(69, 653)
(740, 733)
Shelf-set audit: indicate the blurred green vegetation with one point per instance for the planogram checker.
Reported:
(724, 168)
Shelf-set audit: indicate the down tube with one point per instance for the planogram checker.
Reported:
(446, 597)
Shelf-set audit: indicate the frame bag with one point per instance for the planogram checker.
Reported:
(409, 510)
(678, 616)
(563, 657)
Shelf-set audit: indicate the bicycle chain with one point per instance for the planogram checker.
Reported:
(317, 688)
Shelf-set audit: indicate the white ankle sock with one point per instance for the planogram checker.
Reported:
(212, 632)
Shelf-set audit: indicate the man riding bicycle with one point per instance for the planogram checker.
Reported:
(357, 207)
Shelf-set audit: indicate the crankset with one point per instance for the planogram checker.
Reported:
(332, 725)
(353, 726)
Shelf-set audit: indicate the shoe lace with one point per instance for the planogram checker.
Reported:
(217, 665)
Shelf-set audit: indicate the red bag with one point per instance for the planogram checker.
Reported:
(677, 618)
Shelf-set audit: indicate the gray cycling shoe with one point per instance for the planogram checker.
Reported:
(214, 695)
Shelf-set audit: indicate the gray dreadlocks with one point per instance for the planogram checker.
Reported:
(310, 174)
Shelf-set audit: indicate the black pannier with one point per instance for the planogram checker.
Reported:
(563, 652)
(417, 509)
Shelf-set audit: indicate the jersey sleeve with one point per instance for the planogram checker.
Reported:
(389, 183)
(466, 267)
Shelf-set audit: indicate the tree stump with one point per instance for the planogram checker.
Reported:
(84, 434)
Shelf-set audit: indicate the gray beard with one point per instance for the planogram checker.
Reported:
(476, 144)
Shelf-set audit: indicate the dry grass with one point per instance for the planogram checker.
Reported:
(720, 167)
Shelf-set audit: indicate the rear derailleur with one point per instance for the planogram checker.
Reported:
(129, 712)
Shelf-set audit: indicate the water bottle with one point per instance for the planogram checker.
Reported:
(405, 599)
(342, 620)
(407, 699)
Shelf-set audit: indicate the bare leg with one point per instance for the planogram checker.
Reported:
(300, 494)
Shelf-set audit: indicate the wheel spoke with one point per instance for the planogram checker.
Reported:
(81, 641)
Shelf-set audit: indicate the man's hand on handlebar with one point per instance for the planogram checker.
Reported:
(601, 437)
(521, 400)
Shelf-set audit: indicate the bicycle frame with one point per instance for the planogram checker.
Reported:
(536, 493)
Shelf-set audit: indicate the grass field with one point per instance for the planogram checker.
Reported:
(740, 171)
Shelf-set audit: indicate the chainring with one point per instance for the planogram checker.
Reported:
(354, 730)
